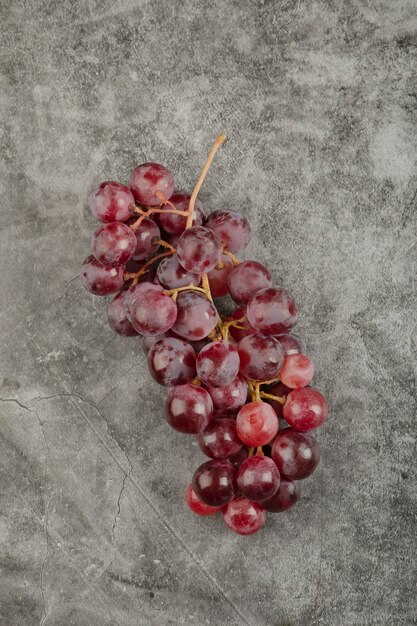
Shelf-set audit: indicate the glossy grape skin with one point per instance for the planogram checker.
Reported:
(286, 496)
(297, 371)
(199, 249)
(258, 478)
(172, 275)
(230, 397)
(146, 234)
(214, 482)
(243, 516)
(281, 391)
(196, 316)
(218, 278)
(101, 280)
(305, 409)
(113, 244)
(272, 311)
(246, 280)
(231, 227)
(175, 224)
(153, 313)
(110, 201)
(239, 333)
(295, 454)
(198, 506)
(116, 315)
(261, 357)
(171, 362)
(218, 364)
(220, 439)
(188, 409)
(257, 424)
(291, 344)
(148, 179)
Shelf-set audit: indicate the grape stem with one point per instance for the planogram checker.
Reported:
(164, 244)
(174, 292)
(218, 142)
(151, 211)
(250, 452)
(235, 260)
(270, 396)
(136, 275)
(259, 451)
(234, 323)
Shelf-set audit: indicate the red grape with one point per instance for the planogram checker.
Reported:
(281, 391)
(175, 224)
(239, 333)
(172, 275)
(146, 234)
(220, 439)
(260, 356)
(218, 364)
(258, 478)
(237, 459)
(116, 315)
(218, 278)
(148, 179)
(110, 201)
(197, 505)
(197, 316)
(272, 311)
(295, 454)
(230, 397)
(231, 227)
(214, 482)
(152, 312)
(148, 342)
(291, 344)
(113, 244)
(188, 409)
(171, 362)
(246, 280)
(243, 516)
(101, 280)
(286, 496)
(199, 249)
(257, 424)
(297, 371)
(305, 409)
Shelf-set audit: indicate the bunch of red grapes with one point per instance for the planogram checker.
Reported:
(229, 379)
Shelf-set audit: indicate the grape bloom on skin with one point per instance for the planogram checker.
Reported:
(227, 380)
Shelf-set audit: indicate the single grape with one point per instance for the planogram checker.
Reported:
(305, 409)
(214, 482)
(172, 275)
(231, 227)
(281, 391)
(146, 234)
(110, 202)
(297, 371)
(218, 277)
(116, 315)
(286, 496)
(272, 311)
(113, 244)
(101, 280)
(148, 179)
(257, 424)
(258, 478)
(244, 517)
(152, 312)
(244, 329)
(220, 439)
(175, 224)
(246, 280)
(261, 357)
(171, 362)
(295, 454)
(188, 409)
(218, 364)
(291, 344)
(148, 342)
(197, 505)
(230, 397)
(199, 249)
(197, 316)
(237, 459)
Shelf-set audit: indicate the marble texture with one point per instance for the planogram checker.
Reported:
(319, 99)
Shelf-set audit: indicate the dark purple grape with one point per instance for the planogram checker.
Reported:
(146, 234)
(175, 224)
(261, 357)
(116, 315)
(148, 179)
(188, 409)
(258, 478)
(172, 362)
(172, 275)
(244, 329)
(197, 316)
(246, 280)
(272, 311)
(218, 364)
(101, 280)
(237, 459)
(199, 249)
(110, 202)
(295, 454)
(281, 391)
(220, 439)
(286, 496)
(214, 482)
(230, 397)
(231, 227)
(113, 244)
(152, 312)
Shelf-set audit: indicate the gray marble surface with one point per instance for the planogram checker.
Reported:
(319, 100)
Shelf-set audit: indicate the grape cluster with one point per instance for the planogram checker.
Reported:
(229, 379)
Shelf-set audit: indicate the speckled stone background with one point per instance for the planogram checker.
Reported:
(319, 99)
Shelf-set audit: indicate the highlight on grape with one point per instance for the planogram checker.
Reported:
(229, 379)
